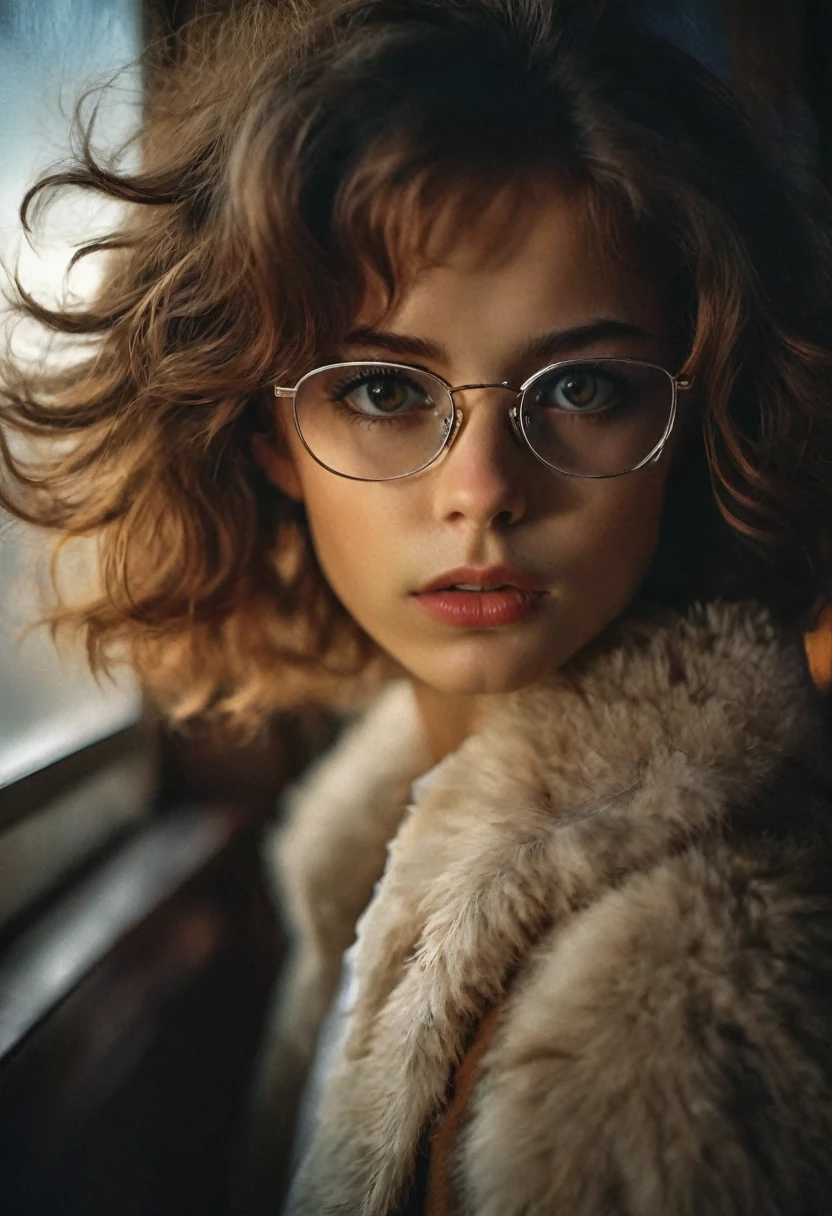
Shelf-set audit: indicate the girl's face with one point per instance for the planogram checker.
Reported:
(583, 545)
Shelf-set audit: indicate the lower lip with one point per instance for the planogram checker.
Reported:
(479, 609)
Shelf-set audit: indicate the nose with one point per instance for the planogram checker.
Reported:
(483, 476)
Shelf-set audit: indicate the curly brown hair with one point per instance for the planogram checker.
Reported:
(289, 152)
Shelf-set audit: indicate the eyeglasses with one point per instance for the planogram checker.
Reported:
(379, 421)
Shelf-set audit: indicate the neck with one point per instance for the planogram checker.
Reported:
(448, 718)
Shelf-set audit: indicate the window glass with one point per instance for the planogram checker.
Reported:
(50, 705)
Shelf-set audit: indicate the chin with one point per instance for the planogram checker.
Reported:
(484, 675)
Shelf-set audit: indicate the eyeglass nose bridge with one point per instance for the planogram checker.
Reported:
(512, 388)
(513, 413)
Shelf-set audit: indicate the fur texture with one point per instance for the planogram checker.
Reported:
(327, 858)
(635, 860)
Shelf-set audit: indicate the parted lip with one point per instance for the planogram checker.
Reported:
(487, 576)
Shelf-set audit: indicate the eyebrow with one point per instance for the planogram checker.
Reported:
(544, 346)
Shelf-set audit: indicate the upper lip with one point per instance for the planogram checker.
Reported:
(486, 576)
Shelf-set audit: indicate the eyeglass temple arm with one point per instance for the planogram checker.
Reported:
(283, 392)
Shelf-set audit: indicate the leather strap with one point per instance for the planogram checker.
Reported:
(439, 1199)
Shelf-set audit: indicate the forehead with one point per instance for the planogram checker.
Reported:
(524, 262)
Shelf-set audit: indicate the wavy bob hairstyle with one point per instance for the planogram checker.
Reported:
(291, 154)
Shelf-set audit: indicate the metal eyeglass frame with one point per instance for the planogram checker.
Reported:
(678, 384)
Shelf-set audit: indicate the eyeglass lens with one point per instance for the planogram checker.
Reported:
(380, 421)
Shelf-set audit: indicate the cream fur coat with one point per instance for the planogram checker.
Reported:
(634, 860)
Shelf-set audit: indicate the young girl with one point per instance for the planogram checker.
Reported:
(479, 343)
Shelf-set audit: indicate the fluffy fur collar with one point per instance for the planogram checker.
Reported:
(531, 862)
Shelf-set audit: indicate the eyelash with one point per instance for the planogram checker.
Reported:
(362, 375)
(358, 378)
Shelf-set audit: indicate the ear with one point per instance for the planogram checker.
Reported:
(275, 459)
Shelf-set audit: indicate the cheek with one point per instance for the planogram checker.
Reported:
(616, 530)
(354, 537)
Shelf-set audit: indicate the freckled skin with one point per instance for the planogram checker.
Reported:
(487, 500)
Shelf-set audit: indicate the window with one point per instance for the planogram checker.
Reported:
(50, 706)
(138, 940)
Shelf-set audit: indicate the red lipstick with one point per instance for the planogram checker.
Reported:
(486, 598)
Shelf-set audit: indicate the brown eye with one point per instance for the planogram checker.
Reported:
(387, 393)
(580, 389)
